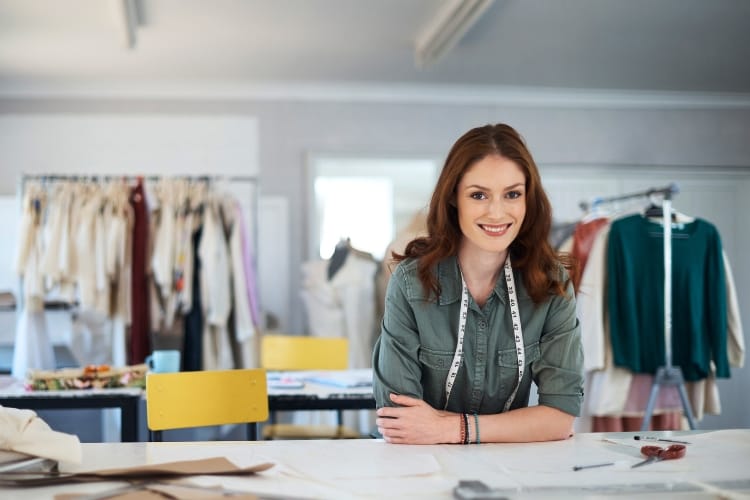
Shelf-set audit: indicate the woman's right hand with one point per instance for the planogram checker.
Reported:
(416, 422)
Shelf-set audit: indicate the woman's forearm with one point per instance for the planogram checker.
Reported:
(535, 423)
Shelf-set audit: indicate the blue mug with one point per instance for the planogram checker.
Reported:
(164, 361)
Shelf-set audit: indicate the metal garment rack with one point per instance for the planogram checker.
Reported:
(113, 177)
(667, 375)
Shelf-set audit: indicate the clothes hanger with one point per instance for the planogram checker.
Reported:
(655, 211)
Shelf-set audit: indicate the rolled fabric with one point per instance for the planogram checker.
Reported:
(23, 431)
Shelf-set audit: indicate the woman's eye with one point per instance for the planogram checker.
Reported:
(514, 194)
(478, 196)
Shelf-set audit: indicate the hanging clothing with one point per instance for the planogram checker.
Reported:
(216, 294)
(735, 334)
(32, 345)
(162, 256)
(90, 247)
(140, 339)
(584, 235)
(613, 394)
(635, 270)
(53, 263)
(192, 347)
(118, 227)
(251, 276)
(30, 249)
(98, 245)
(244, 326)
(608, 386)
(68, 284)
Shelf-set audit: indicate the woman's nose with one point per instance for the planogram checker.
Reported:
(496, 207)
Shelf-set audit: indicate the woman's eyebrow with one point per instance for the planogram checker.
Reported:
(477, 186)
(484, 188)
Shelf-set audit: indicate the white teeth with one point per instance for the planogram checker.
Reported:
(495, 229)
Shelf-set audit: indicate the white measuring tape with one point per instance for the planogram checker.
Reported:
(517, 333)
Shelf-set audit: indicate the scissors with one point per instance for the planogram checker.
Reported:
(657, 453)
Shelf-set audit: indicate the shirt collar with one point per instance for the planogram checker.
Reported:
(449, 278)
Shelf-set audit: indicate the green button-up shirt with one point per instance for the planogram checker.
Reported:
(418, 340)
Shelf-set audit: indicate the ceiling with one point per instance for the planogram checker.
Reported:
(693, 46)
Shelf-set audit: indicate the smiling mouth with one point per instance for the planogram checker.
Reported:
(495, 229)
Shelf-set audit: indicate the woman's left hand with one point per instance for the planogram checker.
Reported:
(416, 422)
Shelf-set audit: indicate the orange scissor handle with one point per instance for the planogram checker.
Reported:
(670, 453)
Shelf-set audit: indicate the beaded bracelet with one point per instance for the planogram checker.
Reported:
(462, 429)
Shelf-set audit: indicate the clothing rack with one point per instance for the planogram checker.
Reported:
(44, 178)
(249, 200)
(665, 192)
(112, 177)
(667, 375)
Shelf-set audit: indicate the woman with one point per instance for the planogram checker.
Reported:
(447, 363)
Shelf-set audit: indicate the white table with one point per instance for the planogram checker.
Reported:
(374, 469)
(312, 395)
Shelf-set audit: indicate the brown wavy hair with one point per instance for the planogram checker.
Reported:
(531, 251)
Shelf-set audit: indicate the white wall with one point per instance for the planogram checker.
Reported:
(128, 144)
(9, 221)
(593, 138)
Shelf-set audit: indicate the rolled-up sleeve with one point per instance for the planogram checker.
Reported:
(395, 364)
(558, 373)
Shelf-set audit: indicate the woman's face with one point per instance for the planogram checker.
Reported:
(491, 202)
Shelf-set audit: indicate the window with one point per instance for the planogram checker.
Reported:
(366, 200)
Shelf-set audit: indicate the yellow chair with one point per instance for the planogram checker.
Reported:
(289, 352)
(297, 353)
(203, 398)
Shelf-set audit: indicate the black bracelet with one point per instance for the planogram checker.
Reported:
(465, 418)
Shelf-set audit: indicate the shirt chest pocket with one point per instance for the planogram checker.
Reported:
(507, 362)
(435, 368)
(439, 361)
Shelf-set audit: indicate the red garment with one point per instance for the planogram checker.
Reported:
(583, 239)
(140, 339)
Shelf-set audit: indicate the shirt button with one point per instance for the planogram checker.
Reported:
(482, 324)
